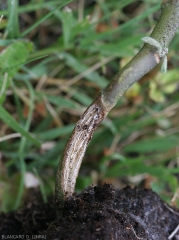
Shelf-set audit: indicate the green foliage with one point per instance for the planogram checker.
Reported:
(54, 59)
(11, 58)
(68, 21)
(12, 28)
(162, 85)
(15, 55)
(153, 144)
(6, 118)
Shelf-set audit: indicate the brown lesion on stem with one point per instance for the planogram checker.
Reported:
(75, 149)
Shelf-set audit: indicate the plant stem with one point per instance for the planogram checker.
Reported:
(146, 59)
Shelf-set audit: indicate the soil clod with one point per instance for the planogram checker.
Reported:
(98, 213)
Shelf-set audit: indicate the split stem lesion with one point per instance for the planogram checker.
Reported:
(75, 149)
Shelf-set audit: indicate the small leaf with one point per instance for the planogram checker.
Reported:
(11, 59)
(13, 56)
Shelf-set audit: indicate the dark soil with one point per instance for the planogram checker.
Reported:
(97, 213)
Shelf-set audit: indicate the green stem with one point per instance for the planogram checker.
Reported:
(147, 58)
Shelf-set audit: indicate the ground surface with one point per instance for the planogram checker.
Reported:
(98, 213)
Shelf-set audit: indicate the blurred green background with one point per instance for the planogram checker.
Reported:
(55, 56)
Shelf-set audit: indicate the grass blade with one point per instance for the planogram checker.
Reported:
(9, 120)
(13, 20)
(23, 34)
(22, 148)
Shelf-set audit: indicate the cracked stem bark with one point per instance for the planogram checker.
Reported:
(146, 59)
